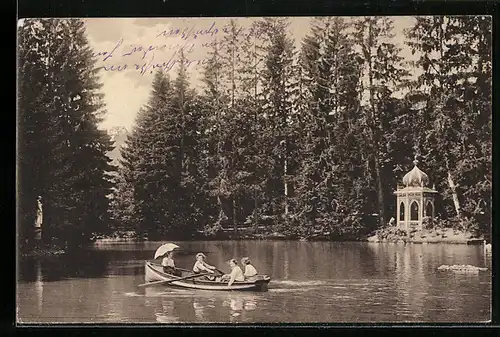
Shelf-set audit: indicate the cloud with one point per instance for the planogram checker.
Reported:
(138, 79)
(104, 30)
(150, 22)
(122, 103)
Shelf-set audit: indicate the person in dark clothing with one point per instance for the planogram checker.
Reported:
(169, 265)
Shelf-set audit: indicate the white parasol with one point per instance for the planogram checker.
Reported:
(164, 249)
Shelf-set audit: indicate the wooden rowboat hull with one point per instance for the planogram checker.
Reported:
(154, 272)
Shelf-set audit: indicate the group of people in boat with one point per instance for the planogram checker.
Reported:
(201, 266)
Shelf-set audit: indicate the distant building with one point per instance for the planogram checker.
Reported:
(415, 200)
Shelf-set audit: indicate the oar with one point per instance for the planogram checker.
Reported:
(168, 281)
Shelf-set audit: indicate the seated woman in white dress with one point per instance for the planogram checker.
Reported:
(250, 270)
(235, 275)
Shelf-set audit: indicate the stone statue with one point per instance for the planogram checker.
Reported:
(392, 221)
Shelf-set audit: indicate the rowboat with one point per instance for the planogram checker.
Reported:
(154, 273)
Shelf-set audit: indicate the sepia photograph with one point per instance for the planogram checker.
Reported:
(254, 170)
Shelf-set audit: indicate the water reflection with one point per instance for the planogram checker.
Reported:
(311, 282)
(410, 283)
(239, 305)
(166, 315)
(86, 264)
(39, 287)
(198, 311)
(199, 306)
(286, 266)
(422, 292)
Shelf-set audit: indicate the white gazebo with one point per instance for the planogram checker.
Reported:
(415, 200)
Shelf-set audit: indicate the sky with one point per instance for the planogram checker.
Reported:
(130, 49)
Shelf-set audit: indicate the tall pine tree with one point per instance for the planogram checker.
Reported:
(455, 63)
(382, 72)
(72, 180)
(278, 87)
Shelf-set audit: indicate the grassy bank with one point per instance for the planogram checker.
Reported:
(39, 251)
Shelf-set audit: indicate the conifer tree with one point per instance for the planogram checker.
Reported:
(215, 104)
(187, 109)
(237, 150)
(455, 59)
(73, 179)
(251, 116)
(227, 96)
(32, 123)
(146, 159)
(382, 72)
(278, 86)
(330, 182)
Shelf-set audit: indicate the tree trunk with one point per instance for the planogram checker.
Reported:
(233, 147)
(256, 121)
(255, 212)
(234, 215)
(286, 188)
(380, 191)
(375, 134)
(454, 195)
(181, 148)
(221, 211)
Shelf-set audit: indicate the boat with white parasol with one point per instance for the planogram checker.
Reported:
(156, 275)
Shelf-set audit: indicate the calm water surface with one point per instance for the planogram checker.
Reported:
(311, 282)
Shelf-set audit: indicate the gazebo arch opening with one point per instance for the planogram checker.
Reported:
(402, 211)
(429, 209)
(414, 210)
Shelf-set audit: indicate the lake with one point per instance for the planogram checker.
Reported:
(337, 282)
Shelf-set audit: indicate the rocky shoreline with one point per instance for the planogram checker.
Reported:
(116, 241)
(430, 236)
(43, 252)
(386, 235)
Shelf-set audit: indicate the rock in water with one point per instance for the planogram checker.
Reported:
(463, 268)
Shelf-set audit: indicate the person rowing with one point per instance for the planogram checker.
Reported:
(201, 266)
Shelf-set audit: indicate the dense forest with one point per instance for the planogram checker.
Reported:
(61, 150)
(298, 139)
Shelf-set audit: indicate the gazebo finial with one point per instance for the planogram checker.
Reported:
(415, 160)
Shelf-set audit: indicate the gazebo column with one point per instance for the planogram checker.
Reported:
(407, 214)
(421, 211)
(398, 211)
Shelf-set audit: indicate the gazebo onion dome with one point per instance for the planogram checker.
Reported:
(415, 177)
